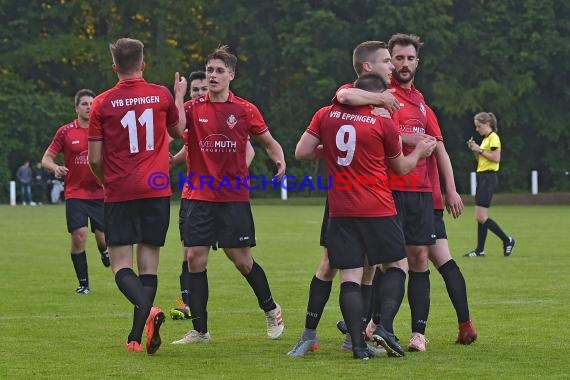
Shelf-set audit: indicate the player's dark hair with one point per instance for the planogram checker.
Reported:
(223, 53)
(198, 74)
(405, 40)
(370, 82)
(127, 55)
(81, 93)
(365, 52)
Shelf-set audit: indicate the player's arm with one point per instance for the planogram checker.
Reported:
(274, 151)
(402, 165)
(308, 147)
(357, 97)
(48, 162)
(249, 153)
(95, 155)
(453, 201)
(414, 138)
(180, 87)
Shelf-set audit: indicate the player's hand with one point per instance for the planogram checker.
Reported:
(426, 147)
(454, 204)
(281, 166)
(379, 111)
(180, 85)
(389, 101)
(60, 171)
(413, 139)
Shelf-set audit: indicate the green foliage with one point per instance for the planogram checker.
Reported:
(27, 122)
(508, 57)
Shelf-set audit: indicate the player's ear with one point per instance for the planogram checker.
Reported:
(142, 66)
(115, 69)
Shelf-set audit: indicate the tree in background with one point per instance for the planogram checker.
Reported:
(510, 58)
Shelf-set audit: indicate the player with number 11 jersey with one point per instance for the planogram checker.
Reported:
(130, 118)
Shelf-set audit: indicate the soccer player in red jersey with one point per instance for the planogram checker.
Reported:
(128, 152)
(83, 192)
(439, 253)
(198, 86)
(219, 124)
(414, 120)
(363, 225)
(369, 56)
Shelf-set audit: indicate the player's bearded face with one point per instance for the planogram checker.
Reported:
(405, 63)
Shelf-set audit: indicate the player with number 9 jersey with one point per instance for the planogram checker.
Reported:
(356, 144)
(131, 118)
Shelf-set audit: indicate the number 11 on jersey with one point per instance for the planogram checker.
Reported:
(145, 119)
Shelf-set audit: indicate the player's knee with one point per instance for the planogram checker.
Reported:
(78, 238)
(400, 264)
(243, 266)
(325, 272)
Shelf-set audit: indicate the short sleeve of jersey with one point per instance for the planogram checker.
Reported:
(392, 147)
(172, 116)
(56, 145)
(188, 106)
(315, 125)
(95, 129)
(256, 123)
(432, 127)
(494, 141)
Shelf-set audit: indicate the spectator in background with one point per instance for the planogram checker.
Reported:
(40, 183)
(56, 188)
(24, 176)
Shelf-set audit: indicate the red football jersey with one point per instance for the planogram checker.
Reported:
(217, 138)
(131, 120)
(80, 182)
(411, 118)
(432, 164)
(185, 190)
(356, 145)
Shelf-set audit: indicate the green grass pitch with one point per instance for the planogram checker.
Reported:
(520, 305)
